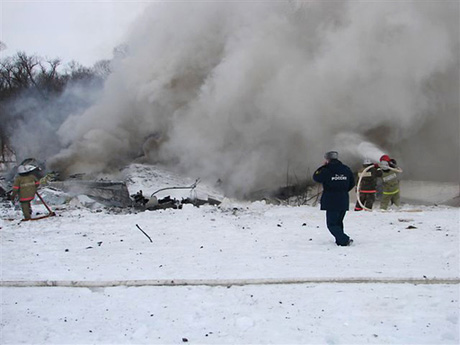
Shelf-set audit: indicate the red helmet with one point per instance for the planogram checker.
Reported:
(385, 158)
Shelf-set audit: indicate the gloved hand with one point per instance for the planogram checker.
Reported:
(376, 165)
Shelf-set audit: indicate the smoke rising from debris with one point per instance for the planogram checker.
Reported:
(34, 134)
(244, 92)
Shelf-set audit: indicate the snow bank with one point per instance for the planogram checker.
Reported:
(429, 192)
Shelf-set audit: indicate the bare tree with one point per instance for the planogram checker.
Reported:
(6, 76)
(49, 78)
(24, 72)
(102, 69)
(78, 72)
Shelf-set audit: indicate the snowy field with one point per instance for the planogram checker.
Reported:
(258, 274)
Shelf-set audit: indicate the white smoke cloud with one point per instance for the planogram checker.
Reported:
(240, 91)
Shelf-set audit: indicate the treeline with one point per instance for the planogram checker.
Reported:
(29, 73)
(29, 82)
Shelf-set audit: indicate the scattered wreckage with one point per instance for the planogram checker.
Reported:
(115, 194)
(153, 203)
(97, 194)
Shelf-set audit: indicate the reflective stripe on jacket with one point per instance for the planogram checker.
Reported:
(390, 182)
(369, 179)
(26, 187)
(391, 193)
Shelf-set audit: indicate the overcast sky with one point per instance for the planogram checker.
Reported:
(84, 31)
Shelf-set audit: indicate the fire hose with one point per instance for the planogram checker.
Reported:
(193, 186)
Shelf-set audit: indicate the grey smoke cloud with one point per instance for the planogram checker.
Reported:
(244, 91)
(34, 119)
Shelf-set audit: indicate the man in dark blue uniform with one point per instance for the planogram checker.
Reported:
(337, 180)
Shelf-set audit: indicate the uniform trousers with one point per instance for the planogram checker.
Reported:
(26, 209)
(389, 197)
(367, 199)
(334, 221)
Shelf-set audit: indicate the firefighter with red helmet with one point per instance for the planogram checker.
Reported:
(390, 178)
(391, 162)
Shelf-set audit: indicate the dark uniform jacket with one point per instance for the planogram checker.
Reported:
(369, 179)
(25, 186)
(337, 180)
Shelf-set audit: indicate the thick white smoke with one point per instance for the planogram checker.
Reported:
(241, 91)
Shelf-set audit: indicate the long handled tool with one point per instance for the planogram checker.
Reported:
(50, 214)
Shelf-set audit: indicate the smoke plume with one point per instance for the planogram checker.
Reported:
(33, 119)
(243, 92)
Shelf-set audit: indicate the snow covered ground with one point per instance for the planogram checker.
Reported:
(318, 293)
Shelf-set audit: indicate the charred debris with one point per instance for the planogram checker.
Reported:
(78, 190)
(153, 203)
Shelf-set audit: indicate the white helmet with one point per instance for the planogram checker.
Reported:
(367, 161)
(24, 169)
(384, 165)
